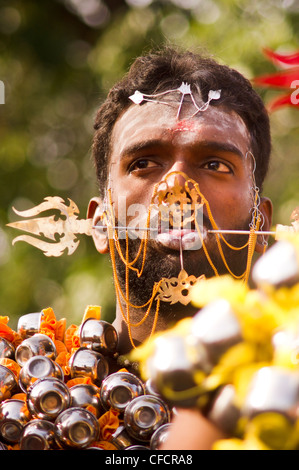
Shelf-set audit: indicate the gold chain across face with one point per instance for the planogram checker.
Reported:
(178, 205)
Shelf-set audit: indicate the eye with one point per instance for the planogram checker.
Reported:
(142, 164)
(218, 166)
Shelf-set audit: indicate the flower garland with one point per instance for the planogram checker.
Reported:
(237, 359)
(66, 341)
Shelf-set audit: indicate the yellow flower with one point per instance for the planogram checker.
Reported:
(252, 443)
(224, 287)
(290, 236)
(272, 429)
(287, 298)
(229, 444)
(242, 379)
(237, 358)
(147, 349)
(259, 317)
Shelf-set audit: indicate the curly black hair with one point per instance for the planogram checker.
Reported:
(166, 69)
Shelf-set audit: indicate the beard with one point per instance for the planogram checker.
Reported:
(162, 262)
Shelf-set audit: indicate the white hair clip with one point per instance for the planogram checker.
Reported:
(184, 89)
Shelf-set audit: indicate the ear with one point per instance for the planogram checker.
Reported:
(100, 237)
(266, 210)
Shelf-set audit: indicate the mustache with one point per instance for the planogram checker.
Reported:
(162, 262)
(138, 228)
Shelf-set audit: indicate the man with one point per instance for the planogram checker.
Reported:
(174, 129)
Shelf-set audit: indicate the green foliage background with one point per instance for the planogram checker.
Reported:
(58, 58)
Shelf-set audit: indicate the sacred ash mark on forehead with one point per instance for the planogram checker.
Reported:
(221, 122)
(195, 106)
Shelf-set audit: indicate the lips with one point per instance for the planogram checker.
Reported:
(181, 239)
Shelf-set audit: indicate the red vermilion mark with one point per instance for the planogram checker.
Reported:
(185, 125)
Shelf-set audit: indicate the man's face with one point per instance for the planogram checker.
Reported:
(149, 142)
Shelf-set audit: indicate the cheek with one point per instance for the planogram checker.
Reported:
(129, 200)
(230, 204)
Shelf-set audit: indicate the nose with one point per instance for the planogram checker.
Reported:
(178, 174)
(178, 188)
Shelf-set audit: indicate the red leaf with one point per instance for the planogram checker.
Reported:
(283, 79)
(288, 59)
(285, 100)
(288, 78)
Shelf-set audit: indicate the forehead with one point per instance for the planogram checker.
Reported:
(155, 120)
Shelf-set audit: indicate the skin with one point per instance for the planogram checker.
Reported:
(191, 431)
(149, 142)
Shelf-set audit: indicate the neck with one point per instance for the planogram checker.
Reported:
(167, 317)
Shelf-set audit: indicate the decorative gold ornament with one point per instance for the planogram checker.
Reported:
(179, 206)
(177, 289)
(56, 234)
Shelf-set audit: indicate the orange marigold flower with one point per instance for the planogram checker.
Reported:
(60, 329)
(60, 347)
(108, 422)
(71, 337)
(62, 353)
(78, 380)
(19, 396)
(25, 411)
(123, 369)
(5, 331)
(48, 323)
(62, 360)
(13, 447)
(17, 339)
(104, 445)
(11, 365)
(92, 311)
(92, 410)
(4, 393)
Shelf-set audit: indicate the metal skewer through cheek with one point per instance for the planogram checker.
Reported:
(237, 232)
(102, 227)
(243, 232)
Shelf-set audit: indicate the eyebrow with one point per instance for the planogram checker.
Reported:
(141, 146)
(150, 143)
(222, 147)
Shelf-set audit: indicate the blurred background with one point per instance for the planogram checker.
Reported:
(58, 59)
